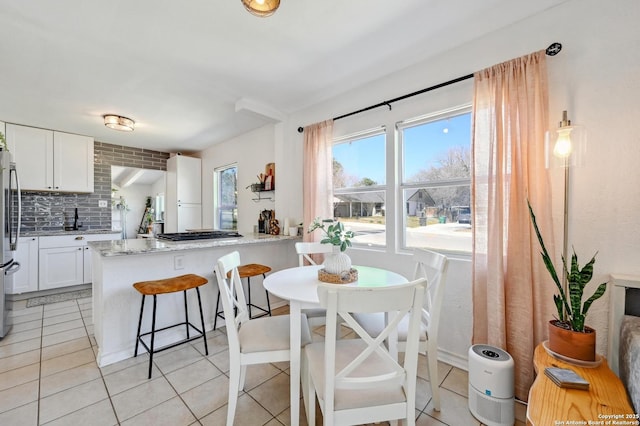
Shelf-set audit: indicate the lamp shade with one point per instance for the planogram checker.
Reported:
(565, 145)
(117, 122)
(262, 8)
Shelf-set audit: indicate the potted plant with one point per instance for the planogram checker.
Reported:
(568, 334)
(336, 235)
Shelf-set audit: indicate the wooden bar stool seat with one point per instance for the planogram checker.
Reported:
(166, 286)
(247, 271)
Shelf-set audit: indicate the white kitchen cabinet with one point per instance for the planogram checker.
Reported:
(183, 209)
(26, 279)
(65, 260)
(50, 160)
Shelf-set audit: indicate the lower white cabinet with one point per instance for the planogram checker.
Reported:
(26, 279)
(65, 260)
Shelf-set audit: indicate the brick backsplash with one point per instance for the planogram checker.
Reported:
(47, 211)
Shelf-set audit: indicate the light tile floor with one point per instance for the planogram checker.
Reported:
(49, 376)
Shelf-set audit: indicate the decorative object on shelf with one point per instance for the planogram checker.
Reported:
(568, 335)
(270, 177)
(339, 263)
(118, 122)
(261, 8)
(274, 227)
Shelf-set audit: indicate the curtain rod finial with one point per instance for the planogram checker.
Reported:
(553, 49)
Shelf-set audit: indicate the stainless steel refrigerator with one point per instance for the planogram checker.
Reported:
(10, 212)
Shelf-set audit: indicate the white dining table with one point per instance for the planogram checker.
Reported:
(299, 286)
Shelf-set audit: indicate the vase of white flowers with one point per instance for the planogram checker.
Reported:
(337, 262)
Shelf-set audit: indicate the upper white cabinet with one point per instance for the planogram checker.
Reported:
(50, 160)
(184, 177)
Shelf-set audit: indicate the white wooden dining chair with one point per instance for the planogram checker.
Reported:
(315, 317)
(432, 266)
(358, 380)
(251, 341)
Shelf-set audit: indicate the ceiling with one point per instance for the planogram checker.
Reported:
(198, 72)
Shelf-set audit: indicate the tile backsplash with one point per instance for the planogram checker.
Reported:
(52, 211)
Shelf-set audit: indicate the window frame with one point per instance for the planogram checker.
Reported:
(217, 186)
(352, 137)
(402, 186)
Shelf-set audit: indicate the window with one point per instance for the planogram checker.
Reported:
(435, 186)
(226, 197)
(359, 184)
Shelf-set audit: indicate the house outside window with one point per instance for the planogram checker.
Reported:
(359, 185)
(435, 186)
(226, 197)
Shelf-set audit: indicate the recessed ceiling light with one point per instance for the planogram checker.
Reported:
(117, 122)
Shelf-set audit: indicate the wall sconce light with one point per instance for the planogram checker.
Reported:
(261, 8)
(118, 122)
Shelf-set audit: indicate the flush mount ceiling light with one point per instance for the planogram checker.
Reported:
(118, 122)
(261, 8)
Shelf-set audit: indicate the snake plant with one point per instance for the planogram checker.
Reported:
(571, 310)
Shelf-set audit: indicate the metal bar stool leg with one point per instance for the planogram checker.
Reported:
(249, 293)
(267, 294)
(135, 353)
(153, 335)
(186, 313)
(204, 336)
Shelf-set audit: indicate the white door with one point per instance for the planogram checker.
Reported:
(189, 217)
(61, 267)
(26, 279)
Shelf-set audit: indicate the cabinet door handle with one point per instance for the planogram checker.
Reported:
(80, 238)
(79, 248)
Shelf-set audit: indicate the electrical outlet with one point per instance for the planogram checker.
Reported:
(178, 262)
(102, 203)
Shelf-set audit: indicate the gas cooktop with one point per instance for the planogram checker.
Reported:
(208, 235)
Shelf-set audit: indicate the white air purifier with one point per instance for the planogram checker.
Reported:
(491, 386)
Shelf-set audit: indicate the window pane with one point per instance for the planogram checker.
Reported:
(438, 150)
(438, 218)
(227, 198)
(364, 214)
(436, 184)
(359, 162)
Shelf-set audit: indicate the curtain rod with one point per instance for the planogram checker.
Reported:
(552, 50)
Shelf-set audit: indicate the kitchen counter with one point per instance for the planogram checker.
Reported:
(48, 233)
(117, 265)
(154, 245)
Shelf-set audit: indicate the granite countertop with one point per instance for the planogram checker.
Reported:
(154, 245)
(52, 232)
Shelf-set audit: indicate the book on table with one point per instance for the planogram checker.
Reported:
(566, 378)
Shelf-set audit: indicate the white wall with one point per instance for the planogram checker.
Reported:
(595, 78)
(251, 151)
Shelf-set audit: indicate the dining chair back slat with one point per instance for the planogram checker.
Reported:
(305, 250)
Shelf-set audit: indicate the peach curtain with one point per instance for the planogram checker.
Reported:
(317, 176)
(512, 295)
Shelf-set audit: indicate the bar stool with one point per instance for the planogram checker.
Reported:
(247, 271)
(166, 286)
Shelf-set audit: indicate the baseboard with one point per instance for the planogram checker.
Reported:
(453, 359)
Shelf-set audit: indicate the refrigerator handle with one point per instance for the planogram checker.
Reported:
(13, 239)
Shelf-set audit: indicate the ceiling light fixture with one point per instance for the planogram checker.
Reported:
(117, 122)
(261, 8)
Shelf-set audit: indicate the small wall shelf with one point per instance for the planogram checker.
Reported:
(260, 197)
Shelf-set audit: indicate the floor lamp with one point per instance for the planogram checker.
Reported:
(565, 148)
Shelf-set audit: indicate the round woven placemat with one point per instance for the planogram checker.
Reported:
(344, 278)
